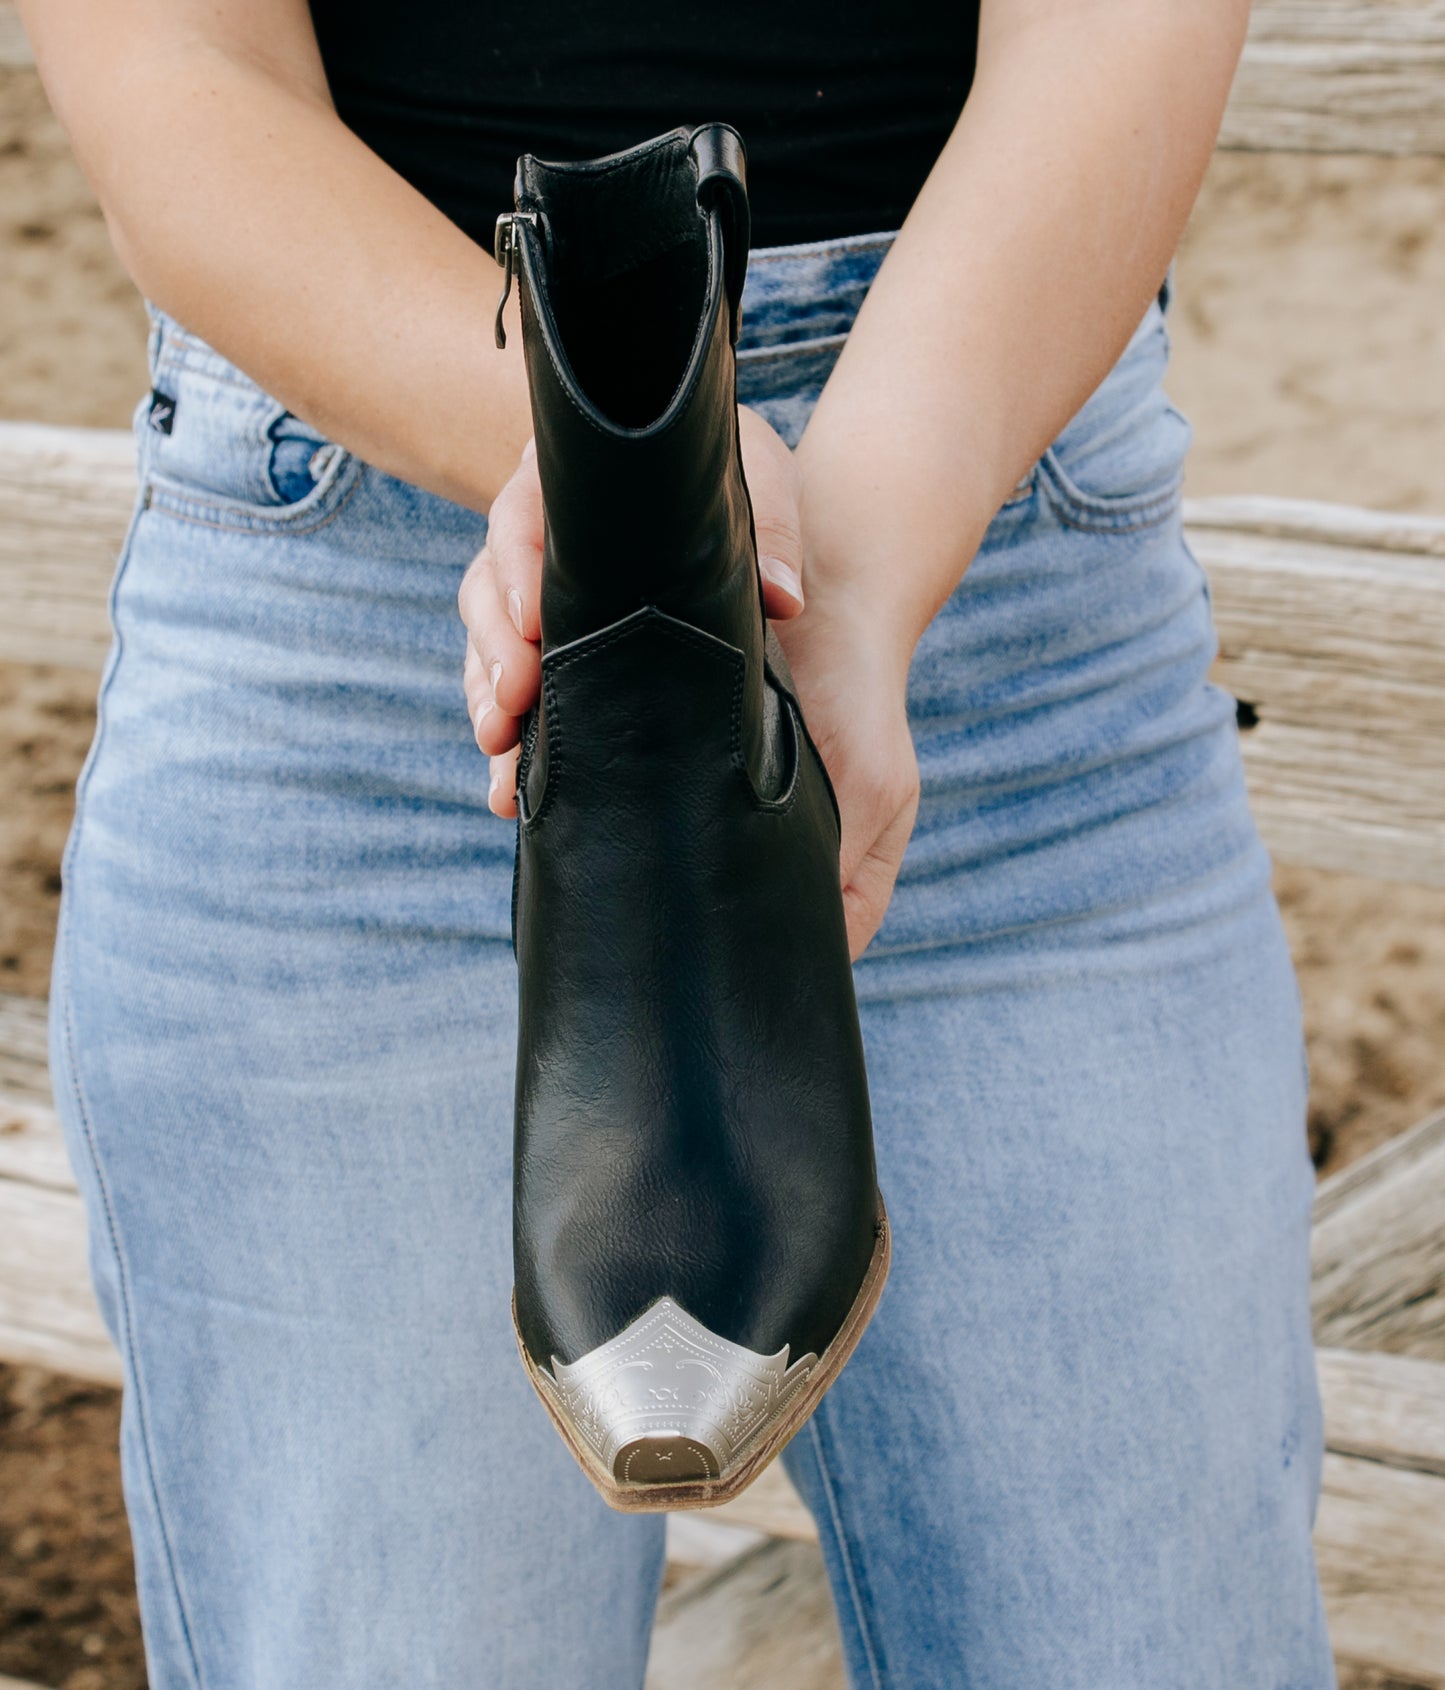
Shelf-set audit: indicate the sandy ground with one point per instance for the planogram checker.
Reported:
(1309, 353)
(72, 327)
(68, 1617)
(1309, 342)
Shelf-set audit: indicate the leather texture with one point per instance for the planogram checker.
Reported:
(692, 1115)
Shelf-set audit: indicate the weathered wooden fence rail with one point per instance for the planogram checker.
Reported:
(1331, 624)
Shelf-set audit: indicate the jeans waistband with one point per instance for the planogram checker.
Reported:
(808, 291)
(812, 290)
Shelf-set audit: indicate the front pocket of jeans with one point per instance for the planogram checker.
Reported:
(1108, 512)
(206, 497)
(1119, 463)
(329, 492)
(220, 450)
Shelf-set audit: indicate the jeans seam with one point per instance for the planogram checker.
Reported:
(845, 1556)
(124, 1299)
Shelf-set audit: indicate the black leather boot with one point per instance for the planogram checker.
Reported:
(699, 1237)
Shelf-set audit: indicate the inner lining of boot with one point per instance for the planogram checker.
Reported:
(627, 336)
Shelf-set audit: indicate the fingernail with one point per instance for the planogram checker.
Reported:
(496, 673)
(481, 717)
(514, 609)
(492, 789)
(782, 575)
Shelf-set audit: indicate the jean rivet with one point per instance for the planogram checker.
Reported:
(322, 459)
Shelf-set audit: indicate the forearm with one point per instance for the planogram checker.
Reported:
(1014, 283)
(242, 205)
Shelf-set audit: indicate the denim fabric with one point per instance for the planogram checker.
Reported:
(1079, 1446)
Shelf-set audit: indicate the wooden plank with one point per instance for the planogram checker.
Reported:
(1387, 1409)
(24, 1065)
(66, 496)
(48, 1312)
(1341, 76)
(1380, 1548)
(698, 1541)
(1317, 520)
(1378, 1249)
(1380, 1532)
(1413, 1154)
(1332, 628)
(32, 1151)
(1331, 623)
(765, 1619)
(771, 1504)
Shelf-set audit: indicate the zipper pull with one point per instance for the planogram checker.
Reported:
(504, 250)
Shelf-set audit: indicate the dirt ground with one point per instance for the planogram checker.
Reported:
(1309, 353)
(68, 1616)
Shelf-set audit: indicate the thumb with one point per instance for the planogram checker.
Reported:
(774, 488)
(781, 567)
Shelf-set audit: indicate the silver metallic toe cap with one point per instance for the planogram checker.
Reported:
(667, 1400)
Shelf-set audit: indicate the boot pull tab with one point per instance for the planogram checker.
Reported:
(722, 181)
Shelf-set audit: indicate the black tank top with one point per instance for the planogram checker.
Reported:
(843, 108)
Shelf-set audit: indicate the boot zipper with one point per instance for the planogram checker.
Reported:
(504, 249)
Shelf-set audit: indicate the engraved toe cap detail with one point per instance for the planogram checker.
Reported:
(668, 1399)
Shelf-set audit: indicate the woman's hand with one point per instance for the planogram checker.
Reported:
(850, 665)
(501, 595)
(851, 678)
(850, 656)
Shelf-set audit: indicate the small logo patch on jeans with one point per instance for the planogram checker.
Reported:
(162, 415)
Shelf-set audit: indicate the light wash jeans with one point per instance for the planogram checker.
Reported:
(1079, 1447)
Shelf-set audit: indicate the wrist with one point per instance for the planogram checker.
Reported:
(878, 557)
(482, 460)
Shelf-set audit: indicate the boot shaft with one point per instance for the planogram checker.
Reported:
(630, 272)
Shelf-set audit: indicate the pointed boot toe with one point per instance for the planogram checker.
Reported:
(698, 1235)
